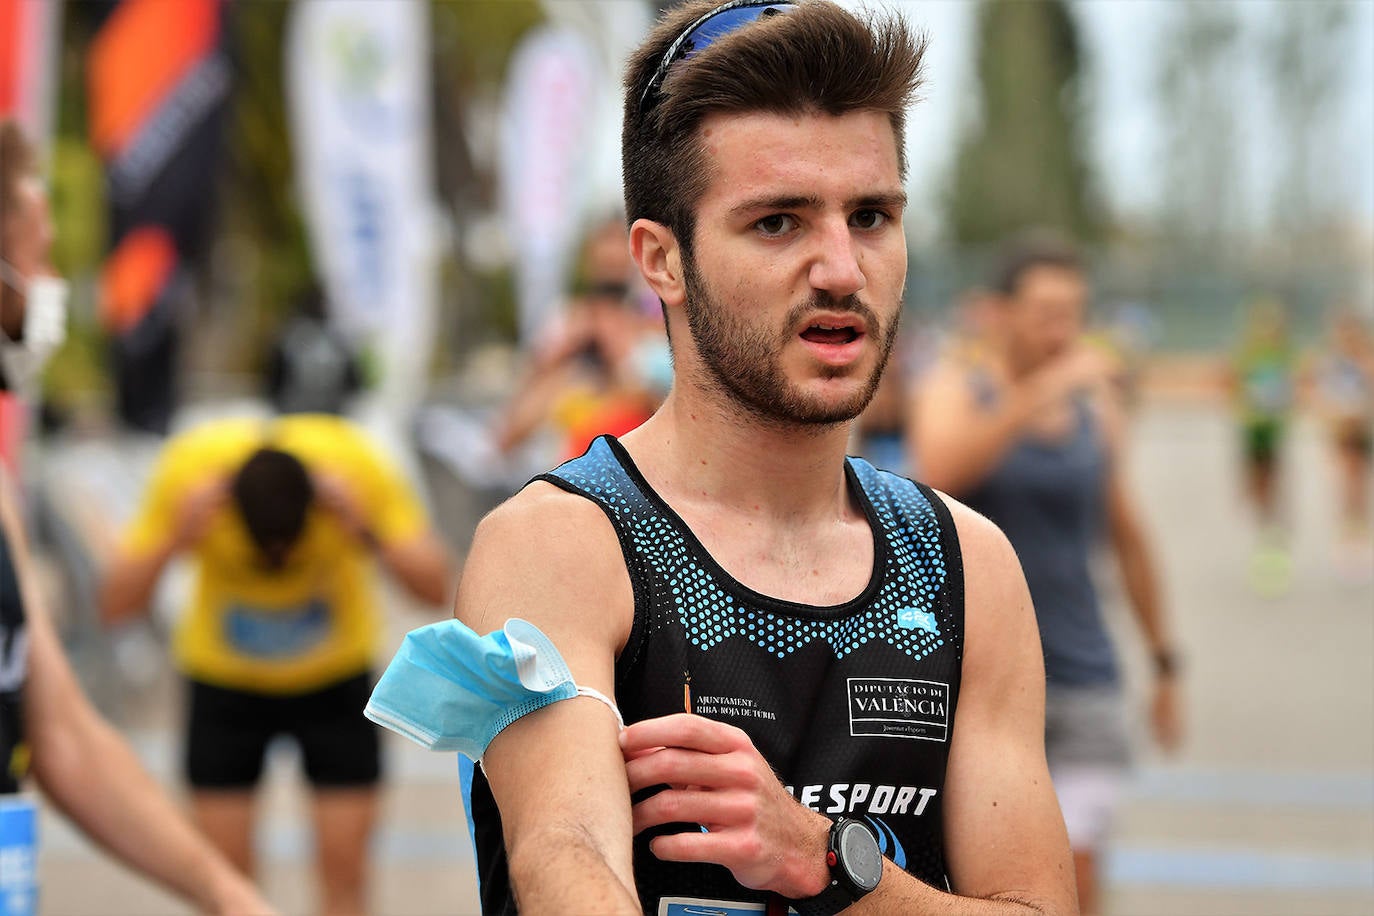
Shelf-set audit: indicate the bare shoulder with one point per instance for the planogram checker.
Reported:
(552, 558)
(982, 545)
(998, 616)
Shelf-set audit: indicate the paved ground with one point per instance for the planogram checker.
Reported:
(1269, 809)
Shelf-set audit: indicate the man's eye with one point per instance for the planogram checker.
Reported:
(868, 219)
(777, 224)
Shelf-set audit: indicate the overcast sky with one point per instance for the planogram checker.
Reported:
(1122, 38)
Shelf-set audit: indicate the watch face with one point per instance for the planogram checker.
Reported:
(860, 855)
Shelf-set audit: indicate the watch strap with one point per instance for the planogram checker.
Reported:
(828, 902)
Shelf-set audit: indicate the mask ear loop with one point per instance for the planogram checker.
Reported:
(598, 695)
(13, 277)
(582, 692)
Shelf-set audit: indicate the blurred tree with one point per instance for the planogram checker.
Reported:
(1307, 52)
(1197, 93)
(271, 261)
(473, 41)
(1022, 162)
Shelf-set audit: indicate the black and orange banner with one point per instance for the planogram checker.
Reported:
(159, 82)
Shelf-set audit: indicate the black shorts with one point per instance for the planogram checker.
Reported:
(228, 731)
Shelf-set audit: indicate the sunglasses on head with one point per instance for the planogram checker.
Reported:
(702, 33)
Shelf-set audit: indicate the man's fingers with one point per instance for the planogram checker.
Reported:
(678, 767)
(692, 847)
(692, 806)
(683, 730)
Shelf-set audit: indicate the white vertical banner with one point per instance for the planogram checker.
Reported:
(548, 119)
(359, 97)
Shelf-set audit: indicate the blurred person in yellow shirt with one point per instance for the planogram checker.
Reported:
(285, 520)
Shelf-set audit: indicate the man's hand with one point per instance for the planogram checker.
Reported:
(196, 512)
(1166, 713)
(718, 779)
(1081, 368)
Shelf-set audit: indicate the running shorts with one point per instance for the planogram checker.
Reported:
(1089, 755)
(228, 732)
(1261, 440)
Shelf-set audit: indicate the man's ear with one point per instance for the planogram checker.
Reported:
(656, 252)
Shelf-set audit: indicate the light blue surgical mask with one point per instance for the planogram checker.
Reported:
(449, 689)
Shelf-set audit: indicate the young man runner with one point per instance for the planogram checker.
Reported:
(824, 711)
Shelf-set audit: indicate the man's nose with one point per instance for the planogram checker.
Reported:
(835, 267)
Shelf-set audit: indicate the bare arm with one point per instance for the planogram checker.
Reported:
(1007, 849)
(554, 560)
(420, 563)
(1004, 835)
(85, 767)
(130, 575)
(957, 441)
(128, 583)
(1141, 583)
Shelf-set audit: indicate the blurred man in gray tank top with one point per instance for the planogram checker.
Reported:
(1025, 429)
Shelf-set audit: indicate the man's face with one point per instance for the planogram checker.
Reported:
(794, 288)
(26, 236)
(1044, 315)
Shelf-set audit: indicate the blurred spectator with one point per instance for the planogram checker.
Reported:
(33, 299)
(47, 725)
(1129, 334)
(1263, 367)
(1027, 430)
(311, 367)
(286, 521)
(1345, 397)
(602, 367)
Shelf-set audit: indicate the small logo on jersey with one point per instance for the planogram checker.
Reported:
(909, 618)
(884, 707)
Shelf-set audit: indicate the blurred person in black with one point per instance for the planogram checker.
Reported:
(1027, 429)
(48, 727)
(311, 367)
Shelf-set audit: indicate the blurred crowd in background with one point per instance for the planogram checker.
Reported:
(408, 213)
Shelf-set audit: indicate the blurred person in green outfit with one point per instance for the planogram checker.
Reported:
(1262, 373)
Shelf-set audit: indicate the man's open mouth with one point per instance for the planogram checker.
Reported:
(827, 333)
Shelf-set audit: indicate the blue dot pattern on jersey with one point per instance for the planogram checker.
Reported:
(916, 569)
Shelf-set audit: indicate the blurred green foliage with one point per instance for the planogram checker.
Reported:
(257, 190)
(1024, 162)
(472, 45)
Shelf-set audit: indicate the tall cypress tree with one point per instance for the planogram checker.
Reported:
(1021, 162)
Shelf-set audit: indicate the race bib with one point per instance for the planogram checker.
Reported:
(18, 856)
(279, 632)
(696, 906)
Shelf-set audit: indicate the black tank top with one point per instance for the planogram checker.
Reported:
(852, 705)
(13, 668)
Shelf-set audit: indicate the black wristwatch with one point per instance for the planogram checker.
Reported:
(856, 867)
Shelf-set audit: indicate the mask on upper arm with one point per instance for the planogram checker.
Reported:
(449, 689)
